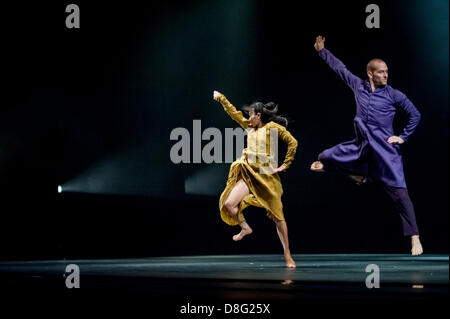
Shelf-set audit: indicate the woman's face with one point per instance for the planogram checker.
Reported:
(255, 119)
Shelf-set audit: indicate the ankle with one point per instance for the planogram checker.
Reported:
(244, 225)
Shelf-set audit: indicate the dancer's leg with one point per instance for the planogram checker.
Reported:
(318, 166)
(283, 234)
(405, 208)
(349, 158)
(237, 194)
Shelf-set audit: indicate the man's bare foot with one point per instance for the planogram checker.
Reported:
(358, 179)
(416, 246)
(290, 263)
(244, 231)
(317, 166)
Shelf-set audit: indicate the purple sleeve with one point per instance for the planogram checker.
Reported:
(406, 105)
(349, 78)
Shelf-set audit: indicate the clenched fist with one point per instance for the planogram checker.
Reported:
(216, 95)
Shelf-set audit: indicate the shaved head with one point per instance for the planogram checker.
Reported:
(372, 65)
(377, 72)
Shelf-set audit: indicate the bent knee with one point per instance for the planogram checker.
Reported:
(274, 218)
(231, 207)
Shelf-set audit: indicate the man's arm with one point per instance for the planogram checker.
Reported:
(406, 105)
(349, 78)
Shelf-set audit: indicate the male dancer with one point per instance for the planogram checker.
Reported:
(375, 152)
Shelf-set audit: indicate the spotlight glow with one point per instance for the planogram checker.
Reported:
(59, 188)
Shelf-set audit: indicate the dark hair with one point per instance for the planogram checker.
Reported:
(268, 112)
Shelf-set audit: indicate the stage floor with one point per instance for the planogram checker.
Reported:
(243, 276)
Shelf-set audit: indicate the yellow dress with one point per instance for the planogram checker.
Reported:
(265, 188)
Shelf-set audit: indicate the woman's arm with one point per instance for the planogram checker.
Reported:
(231, 110)
(292, 144)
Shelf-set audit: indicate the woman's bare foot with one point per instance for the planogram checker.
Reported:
(416, 246)
(244, 231)
(317, 166)
(290, 263)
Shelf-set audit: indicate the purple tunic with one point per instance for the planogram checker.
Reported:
(370, 154)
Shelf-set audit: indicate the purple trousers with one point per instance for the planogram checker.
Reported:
(405, 208)
(399, 196)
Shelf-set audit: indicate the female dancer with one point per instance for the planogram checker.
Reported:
(252, 180)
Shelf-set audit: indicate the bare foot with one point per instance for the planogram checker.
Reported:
(290, 263)
(244, 231)
(317, 166)
(358, 179)
(416, 246)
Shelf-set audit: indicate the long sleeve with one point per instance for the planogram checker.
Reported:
(406, 105)
(349, 78)
(291, 142)
(233, 112)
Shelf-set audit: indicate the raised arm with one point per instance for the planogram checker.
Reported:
(349, 78)
(231, 110)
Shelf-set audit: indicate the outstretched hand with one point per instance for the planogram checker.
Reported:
(395, 140)
(320, 43)
(216, 95)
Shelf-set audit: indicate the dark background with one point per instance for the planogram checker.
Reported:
(92, 109)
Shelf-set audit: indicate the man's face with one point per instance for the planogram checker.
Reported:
(380, 75)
